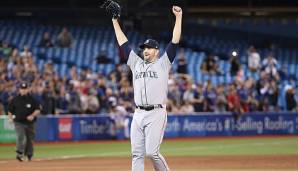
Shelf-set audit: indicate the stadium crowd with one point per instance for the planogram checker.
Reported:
(87, 92)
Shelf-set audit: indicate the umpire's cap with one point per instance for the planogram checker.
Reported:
(151, 43)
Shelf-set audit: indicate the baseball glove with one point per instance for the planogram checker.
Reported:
(112, 8)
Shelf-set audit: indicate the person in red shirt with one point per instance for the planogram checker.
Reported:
(234, 104)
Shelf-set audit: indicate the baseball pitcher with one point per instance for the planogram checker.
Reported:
(150, 82)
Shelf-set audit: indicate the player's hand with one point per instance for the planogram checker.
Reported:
(30, 118)
(177, 11)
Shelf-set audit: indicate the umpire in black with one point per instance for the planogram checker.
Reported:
(22, 110)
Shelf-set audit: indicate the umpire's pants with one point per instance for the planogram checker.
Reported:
(25, 136)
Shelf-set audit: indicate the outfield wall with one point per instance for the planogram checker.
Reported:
(93, 127)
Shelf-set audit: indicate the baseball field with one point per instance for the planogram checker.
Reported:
(206, 154)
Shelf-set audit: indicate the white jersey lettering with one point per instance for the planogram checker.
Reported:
(150, 80)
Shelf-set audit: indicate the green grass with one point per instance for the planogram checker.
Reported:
(196, 147)
(272, 146)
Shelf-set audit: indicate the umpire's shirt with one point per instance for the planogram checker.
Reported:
(22, 106)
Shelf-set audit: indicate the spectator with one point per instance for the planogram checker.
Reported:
(221, 100)
(119, 115)
(234, 104)
(261, 83)
(285, 75)
(48, 100)
(64, 39)
(6, 92)
(240, 77)
(74, 101)
(5, 51)
(62, 104)
(26, 52)
(112, 82)
(252, 102)
(254, 59)
(30, 69)
(93, 102)
(73, 78)
(126, 95)
(101, 90)
(3, 65)
(248, 95)
(174, 95)
(291, 101)
(91, 75)
(198, 99)
(83, 91)
(235, 64)
(108, 94)
(13, 60)
(15, 53)
(187, 107)
(270, 66)
(182, 63)
(264, 105)
(242, 91)
(273, 93)
(188, 94)
(188, 97)
(46, 40)
(210, 96)
(210, 65)
(176, 108)
(118, 72)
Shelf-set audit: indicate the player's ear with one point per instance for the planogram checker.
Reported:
(157, 52)
(140, 53)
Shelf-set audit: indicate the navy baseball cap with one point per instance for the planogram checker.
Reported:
(24, 85)
(151, 43)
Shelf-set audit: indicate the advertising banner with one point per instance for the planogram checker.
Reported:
(7, 131)
(93, 128)
(65, 128)
(86, 127)
(227, 125)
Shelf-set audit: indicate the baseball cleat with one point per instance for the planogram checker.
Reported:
(20, 157)
(29, 157)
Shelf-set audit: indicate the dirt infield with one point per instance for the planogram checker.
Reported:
(210, 163)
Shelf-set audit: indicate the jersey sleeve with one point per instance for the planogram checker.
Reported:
(171, 51)
(126, 50)
(168, 57)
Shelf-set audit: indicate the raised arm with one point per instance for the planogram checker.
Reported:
(177, 11)
(172, 46)
(121, 38)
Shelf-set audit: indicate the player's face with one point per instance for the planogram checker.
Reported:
(150, 54)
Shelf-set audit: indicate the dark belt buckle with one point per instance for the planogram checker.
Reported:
(148, 108)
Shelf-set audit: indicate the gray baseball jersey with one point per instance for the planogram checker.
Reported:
(150, 80)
